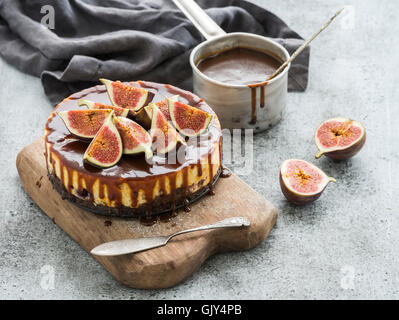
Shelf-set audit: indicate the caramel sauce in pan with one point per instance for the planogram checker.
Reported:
(242, 66)
(130, 169)
(239, 65)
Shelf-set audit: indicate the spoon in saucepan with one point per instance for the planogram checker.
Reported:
(119, 247)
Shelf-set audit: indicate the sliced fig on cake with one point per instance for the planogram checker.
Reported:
(162, 105)
(122, 112)
(84, 123)
(188, 120)
(105, 150)
(164, 135)
(126, 96)
(340, 138)
(302, 182)
(135, 139)
(142, 117)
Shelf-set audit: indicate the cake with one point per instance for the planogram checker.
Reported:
(133, 186)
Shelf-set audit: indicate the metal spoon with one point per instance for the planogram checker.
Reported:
(303, 46)
(119, 247)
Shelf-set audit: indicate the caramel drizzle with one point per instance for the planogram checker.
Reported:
(211, 191)
(186, 202)
(253, 103)
(199, 169)
(262, 98)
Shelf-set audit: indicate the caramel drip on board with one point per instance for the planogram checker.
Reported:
(226, 172)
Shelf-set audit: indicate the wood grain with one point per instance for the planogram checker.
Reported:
(165, 266)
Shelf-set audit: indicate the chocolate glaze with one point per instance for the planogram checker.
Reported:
(70, 151)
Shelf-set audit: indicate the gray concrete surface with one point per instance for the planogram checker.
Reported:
(345, 245)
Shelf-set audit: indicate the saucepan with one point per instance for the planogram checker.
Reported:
(258, 106)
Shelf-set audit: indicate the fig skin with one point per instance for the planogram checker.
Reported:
(344, 152)
(141, 116)
(302, 199)
(298, 199)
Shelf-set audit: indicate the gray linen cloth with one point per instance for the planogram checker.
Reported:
(125, 40)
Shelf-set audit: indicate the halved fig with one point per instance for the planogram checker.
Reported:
(122, 112)
(105, 150)
(84, 123)
(340, 138)
(125, 96)
(164, 135)
(188, 120)
(135, 139)
(302, 182)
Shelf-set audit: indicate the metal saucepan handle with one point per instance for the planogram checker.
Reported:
(208, 28)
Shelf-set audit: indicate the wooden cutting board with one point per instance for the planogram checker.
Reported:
(165, 266)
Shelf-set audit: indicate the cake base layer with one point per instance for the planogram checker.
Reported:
(182, 200)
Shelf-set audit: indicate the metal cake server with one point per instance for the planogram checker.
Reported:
(119, 247)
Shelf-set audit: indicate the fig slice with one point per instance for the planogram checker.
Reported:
(339, 138)
(144, 115)
(105, 150)
(188, 120)
(135, 139)
(163, 106)
(122, 112)
(302, 182)
(125, 96)
(164, 136)
(84, 123)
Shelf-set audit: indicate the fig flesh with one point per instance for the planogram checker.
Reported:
(105, 150)
(302, 182)
(125, 96)
(144, 115)
(163, 107)
(340, 138)
(164, 136)
(122, 112)
(84, 123)
(188, 120)
(135, 139)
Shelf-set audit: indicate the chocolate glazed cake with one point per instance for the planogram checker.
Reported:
(132, 187)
